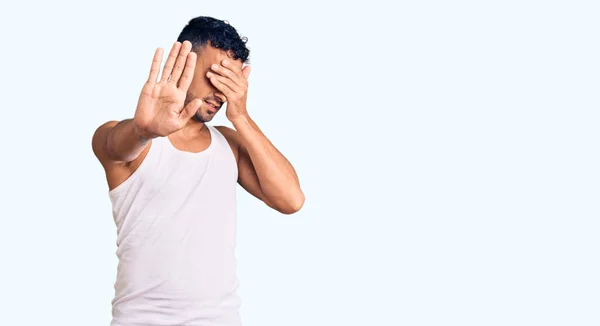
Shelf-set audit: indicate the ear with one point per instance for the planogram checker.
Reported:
(246, 72)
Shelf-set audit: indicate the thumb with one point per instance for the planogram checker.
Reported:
(190, 109)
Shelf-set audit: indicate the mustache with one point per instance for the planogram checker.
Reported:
(213, 100)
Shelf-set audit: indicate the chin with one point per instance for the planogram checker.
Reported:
(202, 117)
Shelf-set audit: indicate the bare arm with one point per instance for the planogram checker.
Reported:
(262, 166)
(263, 170)
(119, 141)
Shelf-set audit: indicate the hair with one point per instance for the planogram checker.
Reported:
(202, 31)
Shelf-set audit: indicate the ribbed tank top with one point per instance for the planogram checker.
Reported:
(176, 236)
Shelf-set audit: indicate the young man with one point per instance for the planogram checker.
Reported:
(172, 182)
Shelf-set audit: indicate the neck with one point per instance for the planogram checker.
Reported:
(192, 129)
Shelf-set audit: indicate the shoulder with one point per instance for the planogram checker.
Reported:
(101, 149)
(99, 141)
(232, 137)
(226, 131)
(230, 134)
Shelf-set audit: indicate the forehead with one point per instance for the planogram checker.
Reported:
(208, 55)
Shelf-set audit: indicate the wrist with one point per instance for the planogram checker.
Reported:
(239, 118)
(141, 134)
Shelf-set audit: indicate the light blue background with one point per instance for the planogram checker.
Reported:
(448, 152)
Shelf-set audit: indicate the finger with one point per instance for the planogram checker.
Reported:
(180, 63)
(170, 62)
(189, 110)
(246, 72)
(188, 72)
(155, 67)
(236, 68)
(226, 72)
(231, 65)
(223, 84)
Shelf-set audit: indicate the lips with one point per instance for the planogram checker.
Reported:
(212, 106)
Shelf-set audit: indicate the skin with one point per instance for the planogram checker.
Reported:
(191, 90)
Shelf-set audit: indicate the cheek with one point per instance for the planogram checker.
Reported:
(200, 85)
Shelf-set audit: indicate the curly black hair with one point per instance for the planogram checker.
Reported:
(202, 30)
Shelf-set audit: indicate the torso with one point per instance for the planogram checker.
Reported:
(175, 212)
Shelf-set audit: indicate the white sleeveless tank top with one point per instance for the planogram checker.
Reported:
(176, 237)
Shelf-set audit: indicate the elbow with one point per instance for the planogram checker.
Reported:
(293, 204)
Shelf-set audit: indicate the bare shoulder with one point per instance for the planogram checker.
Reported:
(229, 133)
(99, 141)
(232, 138)
(116, 171)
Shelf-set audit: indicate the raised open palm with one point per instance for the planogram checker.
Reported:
(160, 110)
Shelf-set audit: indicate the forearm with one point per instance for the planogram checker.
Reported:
(124, 142)
(277, 177)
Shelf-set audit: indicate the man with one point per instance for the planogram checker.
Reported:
(172, 182)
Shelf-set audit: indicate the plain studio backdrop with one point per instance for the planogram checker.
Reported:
(448, 152)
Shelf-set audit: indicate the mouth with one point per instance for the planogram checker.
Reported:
(212, 107)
